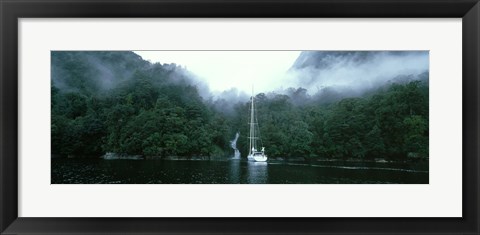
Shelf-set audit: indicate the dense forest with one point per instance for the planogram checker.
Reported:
(117, 102)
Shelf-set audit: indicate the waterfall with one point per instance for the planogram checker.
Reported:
(233, 144)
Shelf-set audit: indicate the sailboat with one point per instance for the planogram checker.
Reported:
(254, 154)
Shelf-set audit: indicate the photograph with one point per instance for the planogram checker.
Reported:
(239, 117)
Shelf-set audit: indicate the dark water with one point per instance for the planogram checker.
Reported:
(99, 171)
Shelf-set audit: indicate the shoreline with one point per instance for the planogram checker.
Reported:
(217, 158)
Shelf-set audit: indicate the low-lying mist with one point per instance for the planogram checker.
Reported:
(315, 76)
(328, 76)
(354, 71)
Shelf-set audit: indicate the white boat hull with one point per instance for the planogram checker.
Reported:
(257, 158)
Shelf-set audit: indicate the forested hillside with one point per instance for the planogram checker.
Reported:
(116, 102)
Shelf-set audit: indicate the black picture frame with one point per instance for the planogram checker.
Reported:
(12, 10)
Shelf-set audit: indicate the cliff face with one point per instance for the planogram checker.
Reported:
(114, 101)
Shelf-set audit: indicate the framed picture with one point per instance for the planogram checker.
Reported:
(239, 117)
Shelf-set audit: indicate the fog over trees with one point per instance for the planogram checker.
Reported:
(341, 105)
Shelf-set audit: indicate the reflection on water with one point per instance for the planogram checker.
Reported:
(257, 172)
(99, 171)
(234, 171)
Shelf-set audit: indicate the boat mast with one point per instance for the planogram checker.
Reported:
(252, 126)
